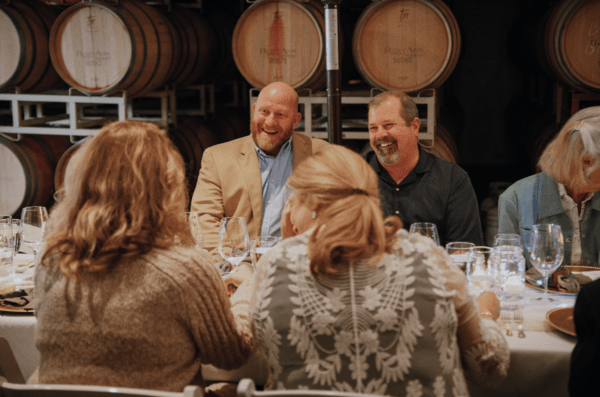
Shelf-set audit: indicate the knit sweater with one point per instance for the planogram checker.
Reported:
(150, 323)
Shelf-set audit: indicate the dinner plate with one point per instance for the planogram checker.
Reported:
(574, 270)
(562, 320)
(13, 309)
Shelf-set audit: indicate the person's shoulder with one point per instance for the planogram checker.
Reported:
(528, 181)
(178, 262)
(318, 144)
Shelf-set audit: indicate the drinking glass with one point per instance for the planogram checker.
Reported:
(7, 269)
(426, 229)
(234, 242)
(193, 220)
(509, 275)
(261, 245)
(459, 253)
(546, 252)
(33, 224)
(479, 272)
(16, 230)
(508, 239)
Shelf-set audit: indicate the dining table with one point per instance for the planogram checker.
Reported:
(539, 364)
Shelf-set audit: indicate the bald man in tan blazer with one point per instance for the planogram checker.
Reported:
(230, 181)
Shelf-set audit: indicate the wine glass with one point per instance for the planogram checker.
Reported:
(459, 253)
(546, 252)
(426, 229)
(193, 220)
(7, 270)
(479, 272)
(33, 224)
(261, 245)
(234, 242)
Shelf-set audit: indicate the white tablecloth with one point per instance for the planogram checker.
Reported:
(539, 362)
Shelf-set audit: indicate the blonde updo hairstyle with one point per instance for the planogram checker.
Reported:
(124, 191)
(350, 224)
(562, 158)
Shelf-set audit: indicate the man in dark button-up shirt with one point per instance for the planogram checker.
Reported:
(416, 185)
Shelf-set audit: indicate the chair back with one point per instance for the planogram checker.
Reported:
(246, 388)
(16, 390)
(9, 369)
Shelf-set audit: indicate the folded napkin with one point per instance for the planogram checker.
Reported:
(22, 298)
(567, 282)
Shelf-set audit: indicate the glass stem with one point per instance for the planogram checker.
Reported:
(545, 287)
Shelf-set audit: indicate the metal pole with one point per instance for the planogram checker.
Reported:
(332, 56)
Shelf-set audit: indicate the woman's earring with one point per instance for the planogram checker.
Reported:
(313, 215)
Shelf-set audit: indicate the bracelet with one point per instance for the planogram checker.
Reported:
(487, 314)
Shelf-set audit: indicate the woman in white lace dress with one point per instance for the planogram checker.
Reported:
(347, 302)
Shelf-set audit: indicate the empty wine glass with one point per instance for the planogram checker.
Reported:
(426, 229)
(546, 252)
(459, 253)
(193, 220)
(261, 245)
(33, 224)
(234, 242)
(479, 272)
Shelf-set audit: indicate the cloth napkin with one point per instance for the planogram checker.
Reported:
(567, 282)
(20, 298)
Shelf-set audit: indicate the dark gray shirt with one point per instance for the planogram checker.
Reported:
(435, 191)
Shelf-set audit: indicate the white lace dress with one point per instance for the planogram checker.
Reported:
(405, 327)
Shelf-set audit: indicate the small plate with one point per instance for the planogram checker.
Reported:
(574, 270)
(562, 320)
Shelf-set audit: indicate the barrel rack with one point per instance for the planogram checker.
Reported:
(355, 128)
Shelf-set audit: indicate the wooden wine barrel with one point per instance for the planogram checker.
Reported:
(25, 60)
(572, 43)
(443, 144)
(406, 45)
(192, 136)
(26, 173)
(281, 40)
(229, 124)
(63, 163)
(198, 45)
(99, 49)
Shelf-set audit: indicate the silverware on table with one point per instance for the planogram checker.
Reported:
(505, 318)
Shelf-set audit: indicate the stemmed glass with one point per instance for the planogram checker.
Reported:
(234, 242)
(33, 224)
(546, 252)
(193, 220)
(426, 229)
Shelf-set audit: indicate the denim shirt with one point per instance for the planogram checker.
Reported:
(534, 200)
(274, 173)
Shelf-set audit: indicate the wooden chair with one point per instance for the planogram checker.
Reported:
(9, 369)
(16, 390)
(246, 388)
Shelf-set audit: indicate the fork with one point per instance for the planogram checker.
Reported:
(505, 318)
(519, 319)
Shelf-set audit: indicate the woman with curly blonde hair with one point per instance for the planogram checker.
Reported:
(350, 301)
(118, 302)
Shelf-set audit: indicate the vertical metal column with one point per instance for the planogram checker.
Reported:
(332, 54)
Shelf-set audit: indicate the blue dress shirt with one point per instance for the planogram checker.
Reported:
(274, 172)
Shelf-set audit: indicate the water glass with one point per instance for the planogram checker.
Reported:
(7, 269)
(509, 273)
(33, 225)
(16, 230)
(459, 253)
(261, 245)
(508, 239)
(479, 271)
(234, 242)
(426, 229)
(193, 220)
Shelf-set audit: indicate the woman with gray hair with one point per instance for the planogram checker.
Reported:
(564, 192)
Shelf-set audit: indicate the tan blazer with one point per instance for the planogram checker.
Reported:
(229, 184)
